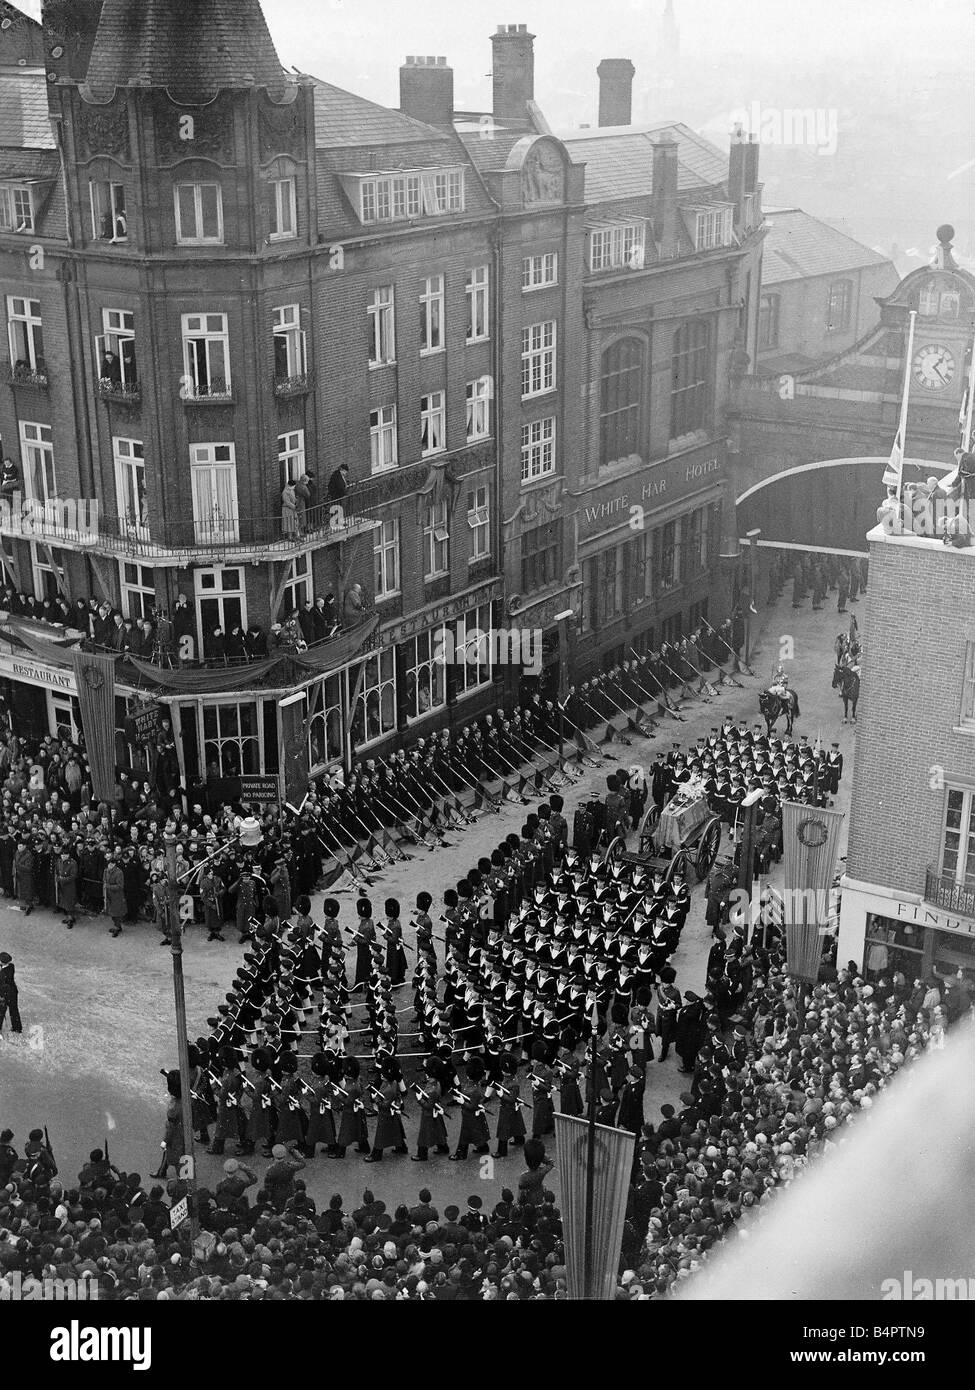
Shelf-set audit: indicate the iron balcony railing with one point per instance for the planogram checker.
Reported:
(944, 891)
(21, 374)
(80, 524)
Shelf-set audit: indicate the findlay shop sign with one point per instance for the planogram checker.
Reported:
(664, 482)
(926, 916)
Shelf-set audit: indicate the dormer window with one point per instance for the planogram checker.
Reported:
(16, 208)
(619, 246)
(713, 226)
(396, 197)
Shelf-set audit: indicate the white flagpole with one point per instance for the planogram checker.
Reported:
(902, 424)
(966, 434)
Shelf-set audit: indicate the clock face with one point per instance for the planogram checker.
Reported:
(934, 367)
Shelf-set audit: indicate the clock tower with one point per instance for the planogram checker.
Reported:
(943, 295)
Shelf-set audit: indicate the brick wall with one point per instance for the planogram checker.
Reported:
(920, 613)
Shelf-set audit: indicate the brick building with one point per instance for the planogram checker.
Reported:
(641, 248)
(820, 291)
(909, 889)
(288, 278)
(221, 277)
(672, 268)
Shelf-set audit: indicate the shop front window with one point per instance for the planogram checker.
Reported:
(231, 739)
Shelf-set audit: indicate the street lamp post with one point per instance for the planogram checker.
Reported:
(182, 1042)
(752, 538)
(589, 1216)
(251, 835)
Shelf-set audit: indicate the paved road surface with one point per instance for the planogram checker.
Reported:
(98, 1012)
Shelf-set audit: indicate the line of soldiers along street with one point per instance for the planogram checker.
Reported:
(300, 1059)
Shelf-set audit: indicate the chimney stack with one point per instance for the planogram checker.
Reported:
(736, 166)
(751, 165)
(615, 91)
(663, 196)
(426, 90)
(742, 176)
(513, 71)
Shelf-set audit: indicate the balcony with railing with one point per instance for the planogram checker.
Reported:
(216, 392)
(23, 374)
(298, 384)
(82, 525)
(944, 891)
(120, 392)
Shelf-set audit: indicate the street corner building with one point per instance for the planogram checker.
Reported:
(298, 386)
(908, 894)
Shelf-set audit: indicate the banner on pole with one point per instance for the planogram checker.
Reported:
(294, 747)
(94, 675)
(810, 844)
(614, 1163)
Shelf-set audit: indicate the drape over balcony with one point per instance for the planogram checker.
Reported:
(323, 657)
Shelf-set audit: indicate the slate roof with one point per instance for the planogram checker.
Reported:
(342, 118)
(799, 246)
(490, 143)
(619, 159)
(24, 120)
(192, 48)
(23, 39)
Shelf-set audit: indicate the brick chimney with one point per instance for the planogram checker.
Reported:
(513, 70)
(742, 176)
(426, 90)
(736, 166)
(663, 196)
(615, 91)
(751, 165)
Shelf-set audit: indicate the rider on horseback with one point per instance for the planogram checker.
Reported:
(780, 683)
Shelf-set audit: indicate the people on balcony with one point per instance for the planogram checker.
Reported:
(110, 369)
(289, 512)
(255, 640)
(10, 480)
(354, 606)
(236, 646)
(290, 638)
(306, 492)
(338, 483)
(162, 639)
(215, 647)
(328, 623)
(306, 621)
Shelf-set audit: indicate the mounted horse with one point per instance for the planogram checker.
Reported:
(779, 700)
(846, 679)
